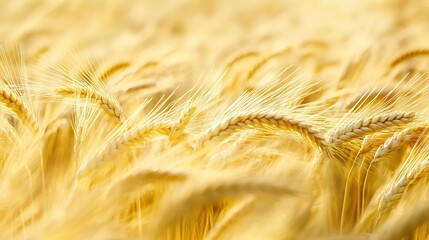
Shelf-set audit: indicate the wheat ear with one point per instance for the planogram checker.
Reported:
(240, 57)
(369, 125)
(232, 216)
(139, 178)
(397, 141)
(378, 94)
(409, 54)
(109, 107)
(184, 119)
(215, 191)
(263, 61)
(394, 194)
(11, 101)
(104, 75)
(404, 225)
(130, 138)
(263, 119)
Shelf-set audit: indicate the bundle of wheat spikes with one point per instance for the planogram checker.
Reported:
(214, 119)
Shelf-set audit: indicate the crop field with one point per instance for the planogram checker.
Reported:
(214, 119)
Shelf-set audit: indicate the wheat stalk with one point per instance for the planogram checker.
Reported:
(370, 125)
(261, 120)
(110, 107)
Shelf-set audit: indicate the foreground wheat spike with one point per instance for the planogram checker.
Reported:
(370, 125)
(262, 120)
(131, 138)
(395, 193)
(397, 141)
(111, 108)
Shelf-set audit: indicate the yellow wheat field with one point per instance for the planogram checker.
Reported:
(214, 119)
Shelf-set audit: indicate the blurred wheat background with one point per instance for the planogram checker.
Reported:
(214, 119)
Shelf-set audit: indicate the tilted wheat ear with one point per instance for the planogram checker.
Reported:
(263, 119)
(130, 138)
(11, 101)
(111, 108)
(395, 193)
(373, 124)
(408, 55)
(397, 141)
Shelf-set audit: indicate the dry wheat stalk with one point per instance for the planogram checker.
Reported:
(261, 119)
(369, 125)
(110, 107)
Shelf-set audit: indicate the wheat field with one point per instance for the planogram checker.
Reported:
(214, 119)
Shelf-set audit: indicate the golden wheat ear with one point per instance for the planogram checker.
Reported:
(376, 123)
(193, 196)
(13, 85)
(130, 135)
(76, 76)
